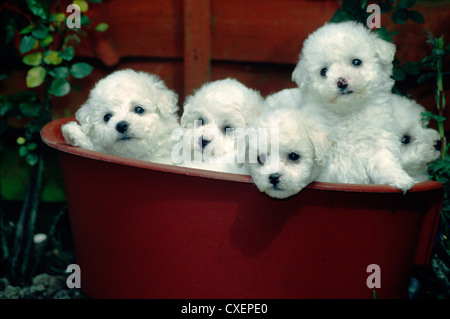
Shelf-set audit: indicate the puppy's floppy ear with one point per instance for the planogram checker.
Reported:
(321, 144)
(83, 116)
(167, 102)
(300, 73)
(384, 50)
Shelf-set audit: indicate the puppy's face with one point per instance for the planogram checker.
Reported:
(124, 112)
(215, 112)
(343, 64)
(288, 161)
(419, 147)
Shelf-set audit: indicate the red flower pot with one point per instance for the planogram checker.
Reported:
(146, 230)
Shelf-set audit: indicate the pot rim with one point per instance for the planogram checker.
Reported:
(52, 136)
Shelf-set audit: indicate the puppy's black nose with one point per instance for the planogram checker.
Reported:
(438, 145)
(203, 142)
(122, 127)
(274, 179)
(342, 84)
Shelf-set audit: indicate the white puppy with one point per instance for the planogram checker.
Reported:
(420, 145)
(214, 119)
(291, 149)
(129, 114)
(344, 72)
(284, 98)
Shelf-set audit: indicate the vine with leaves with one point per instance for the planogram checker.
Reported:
(36, 34)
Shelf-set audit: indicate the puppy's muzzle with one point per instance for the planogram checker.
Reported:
(203, 142)
(122, 127)
(342, 84)
(274, 179)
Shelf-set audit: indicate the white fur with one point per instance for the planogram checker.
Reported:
(118, 94)
(284, 98)
(219, 104)
(299, 132)
(367, 149)
(418, 142)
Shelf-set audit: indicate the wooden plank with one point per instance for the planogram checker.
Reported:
(265, 31)
(197, 43)
(138, 28)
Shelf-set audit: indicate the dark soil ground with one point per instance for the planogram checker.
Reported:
(44, 286)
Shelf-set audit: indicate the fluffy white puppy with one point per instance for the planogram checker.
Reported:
(420, 145)
(129, 114)
(291, 149)
(284, 98)
(214, 119)
(344, 72)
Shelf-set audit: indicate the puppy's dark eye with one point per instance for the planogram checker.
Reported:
(323, 72)
(406, 139)
(357, 62)
(293, 157)
(228, 129)
(107, 117)
(262, 159)
(139, 110)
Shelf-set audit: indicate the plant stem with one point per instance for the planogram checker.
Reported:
(3, 237)
(50, 236)
(33, 213)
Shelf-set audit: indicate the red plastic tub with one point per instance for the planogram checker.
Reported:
(145, 230)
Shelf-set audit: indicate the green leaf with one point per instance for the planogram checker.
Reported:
(30, 109)
(23, 151)
(385, 34)
(5, 107)
(68, 53)
(405, 4)
(59, 72)
(26, 44)
(416, 16)
(40, 31)
(27, 29)
(59, 87)
(21, 140)
(33, 59)
(60, 17)
(340, 16)
(32, 159)
(101, 27)
(47, 40)
(52, 57)
(400, 16)
(385, 7)
(411, 68)
(32, 146)
(398, 74)
(82, 4)
(39, 7)
(35, 76)
(447, 49)
(81, 70)
(425, 77)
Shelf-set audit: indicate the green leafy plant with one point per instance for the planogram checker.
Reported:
(35, 33)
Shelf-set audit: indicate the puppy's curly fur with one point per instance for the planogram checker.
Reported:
(129, 114)
(219, 111)
(302, 143)
(344, 73)
(420, 145)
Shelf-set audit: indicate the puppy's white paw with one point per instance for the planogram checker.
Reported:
(74, 135)
(401, 181)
